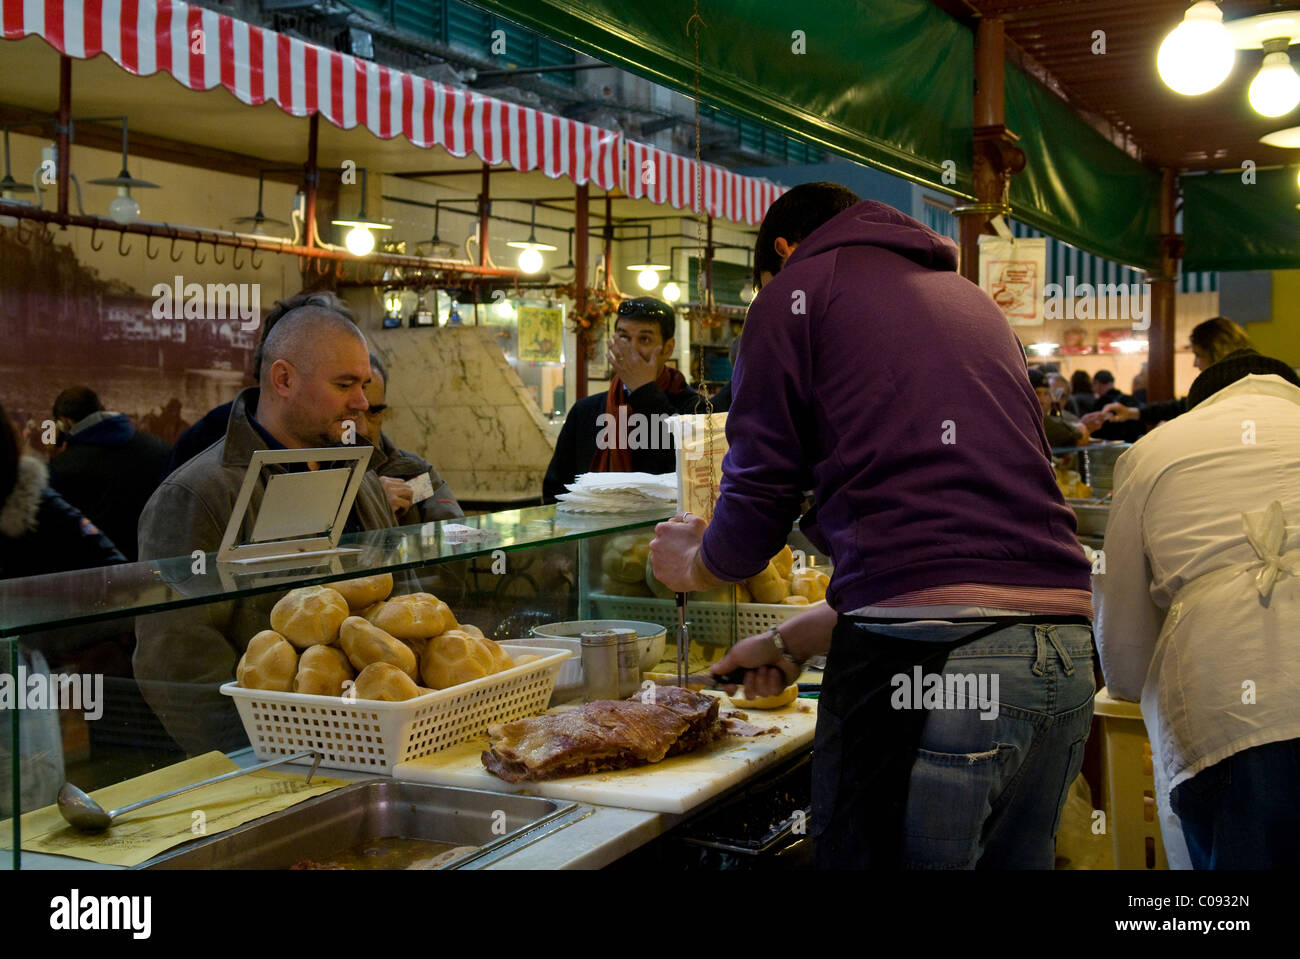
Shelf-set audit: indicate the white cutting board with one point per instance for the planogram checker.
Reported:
(673, 785)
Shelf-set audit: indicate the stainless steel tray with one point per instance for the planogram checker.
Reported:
(1090, 515)
(379, 808)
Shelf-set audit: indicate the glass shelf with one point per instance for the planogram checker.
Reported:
(39, 603)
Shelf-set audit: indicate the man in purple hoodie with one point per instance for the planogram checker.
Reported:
(958, 690)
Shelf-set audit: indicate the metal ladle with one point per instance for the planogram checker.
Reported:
(85, 814)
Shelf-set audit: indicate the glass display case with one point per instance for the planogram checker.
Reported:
(116, 671)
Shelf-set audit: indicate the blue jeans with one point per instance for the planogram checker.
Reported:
(1242, 813)
(940, 787)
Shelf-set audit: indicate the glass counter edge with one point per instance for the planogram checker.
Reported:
(625, 523)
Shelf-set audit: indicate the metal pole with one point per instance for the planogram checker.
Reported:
(609, 240)
(580, 199)
(484, 205)
(62, 129)
(1160, 337)
(311, 177)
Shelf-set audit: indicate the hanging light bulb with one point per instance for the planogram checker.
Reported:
(359, 240)
(530, 256)
(1275, 91)
(672, 292)
(530, 260)
(504, 309)
(647, 273)
(123, 209)
(1197, 55)
(747, 294)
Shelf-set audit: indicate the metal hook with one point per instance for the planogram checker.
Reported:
(234, 257)
(121, 238)
(197, 261)
(218, 260)
(322, 262)
(172, 252)
(252, 263)
(148, 248)
(93, 231)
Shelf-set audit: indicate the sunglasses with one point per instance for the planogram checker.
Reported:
(651, 311)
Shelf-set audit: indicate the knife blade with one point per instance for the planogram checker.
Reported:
(709, 680)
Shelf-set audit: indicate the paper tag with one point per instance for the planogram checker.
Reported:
(421, 488)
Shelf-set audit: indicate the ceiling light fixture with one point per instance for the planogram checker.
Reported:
(123, 209)
(258, 218)
(530, 257)
(359, 240)
(1197, 55)
(1275, 91)
(648, 272)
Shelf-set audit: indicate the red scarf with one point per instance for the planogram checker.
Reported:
(616, 459)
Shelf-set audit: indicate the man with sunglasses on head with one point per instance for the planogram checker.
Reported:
(620, 431)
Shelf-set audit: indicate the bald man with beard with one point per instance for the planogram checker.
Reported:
(315, 366)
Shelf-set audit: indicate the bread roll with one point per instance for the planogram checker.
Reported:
(456, 657)
(743, 595)
(386, 683)
(321, 671)
(365, 591)
(768, 586)
(269, 662)
(795, 600)
(310, 616)
(526, 658)
(365, 644)
(811, 583)
(617, 587)
(784, 562)
(624, 558)
(471, 629)
(783, 698)
(415, 616)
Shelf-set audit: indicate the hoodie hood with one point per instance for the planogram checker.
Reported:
(104, 429)
(871, 223)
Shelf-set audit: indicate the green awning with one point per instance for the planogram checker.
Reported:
(888, 84)
(1076, 185)
(1230, 223)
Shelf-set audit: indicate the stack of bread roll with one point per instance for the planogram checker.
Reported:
(779, 582)
(353, 636)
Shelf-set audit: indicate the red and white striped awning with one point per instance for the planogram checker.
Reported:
(203, 49)
(663, 177)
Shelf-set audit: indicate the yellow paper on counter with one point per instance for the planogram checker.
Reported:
(144, 833)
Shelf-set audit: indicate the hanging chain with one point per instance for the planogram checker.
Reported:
(693, 25)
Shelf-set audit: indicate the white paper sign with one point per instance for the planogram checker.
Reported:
(1013, 271)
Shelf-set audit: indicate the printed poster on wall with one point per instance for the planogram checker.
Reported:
(541, 334)
(1013, 271)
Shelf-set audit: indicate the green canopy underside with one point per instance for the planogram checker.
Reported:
(890, 84)
(1230, 223)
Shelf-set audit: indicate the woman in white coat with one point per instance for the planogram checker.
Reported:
(1198, 610)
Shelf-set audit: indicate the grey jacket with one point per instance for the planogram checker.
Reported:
(388, 460)
(182, 656)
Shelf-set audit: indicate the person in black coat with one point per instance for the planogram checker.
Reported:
(621, 430)
(108, 469)
(40, 532)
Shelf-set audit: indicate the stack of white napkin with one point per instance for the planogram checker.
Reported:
(620, 493)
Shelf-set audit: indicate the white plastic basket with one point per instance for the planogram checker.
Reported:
(710, 623)
(376, 736)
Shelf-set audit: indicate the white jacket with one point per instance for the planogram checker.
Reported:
(1194, 617)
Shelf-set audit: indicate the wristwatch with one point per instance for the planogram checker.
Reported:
(779, 641)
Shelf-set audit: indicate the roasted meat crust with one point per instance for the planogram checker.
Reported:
(602, 736)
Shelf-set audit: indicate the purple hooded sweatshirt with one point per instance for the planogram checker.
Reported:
(876, 376)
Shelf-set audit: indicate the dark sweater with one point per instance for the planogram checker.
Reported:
(576, 446)
(40, 533)
(877, 376)
(108, 471)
